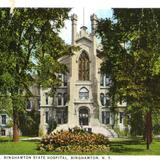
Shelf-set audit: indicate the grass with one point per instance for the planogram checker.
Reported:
(118, 147)
(134, 147)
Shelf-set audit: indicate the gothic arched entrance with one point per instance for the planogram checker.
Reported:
(83, 116)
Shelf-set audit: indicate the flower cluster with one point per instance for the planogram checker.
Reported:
(73, 140)
(78, 149)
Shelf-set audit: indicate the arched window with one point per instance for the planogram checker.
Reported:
(83, 93)
(59, 99)
(84, 67)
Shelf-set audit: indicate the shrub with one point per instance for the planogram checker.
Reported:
(88, 148)
(69, 140)
(52, 125)
(31, 120)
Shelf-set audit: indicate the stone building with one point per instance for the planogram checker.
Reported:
(33, 103)
(82, 99)
(5, 125)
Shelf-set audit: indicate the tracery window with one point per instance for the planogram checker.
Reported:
(84, 67)
(83, 93)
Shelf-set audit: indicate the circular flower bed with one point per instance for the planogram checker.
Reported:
(74, 140)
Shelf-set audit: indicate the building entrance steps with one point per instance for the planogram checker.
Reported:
(110, 133)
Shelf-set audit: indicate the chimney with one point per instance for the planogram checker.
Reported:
(94, 20)
(74, 27)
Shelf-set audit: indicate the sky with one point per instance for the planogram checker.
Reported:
(88, 11)
(102, 8)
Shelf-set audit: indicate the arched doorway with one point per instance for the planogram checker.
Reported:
(84, 116)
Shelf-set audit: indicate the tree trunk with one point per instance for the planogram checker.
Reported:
(15, 126)
(148, 129)
(144, 133)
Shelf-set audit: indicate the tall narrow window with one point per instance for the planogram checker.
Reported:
(121, 117)
(105, 117)
(29, 104)
(65, 80)
(4, 119)
(38, 102)
(102, 80)
(47, 117)
(120, 100)
(46, 95)
(105, 80)
(84, 67)
(3, 132)
(107, 100)
(64, 98)
(60, 78)
(59, 99)
(102, 99)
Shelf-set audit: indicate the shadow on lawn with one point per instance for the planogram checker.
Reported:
(11, 140)
(124, 146)
(6, 140)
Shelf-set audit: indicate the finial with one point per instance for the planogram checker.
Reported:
(83, 16)
(74, 17)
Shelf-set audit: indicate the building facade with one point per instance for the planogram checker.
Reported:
(5, 125)
(82, 99)
(33, 103)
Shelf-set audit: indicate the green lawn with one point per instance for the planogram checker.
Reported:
(134, 147)
(118, 147)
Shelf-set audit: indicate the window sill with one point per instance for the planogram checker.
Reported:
(104, 87)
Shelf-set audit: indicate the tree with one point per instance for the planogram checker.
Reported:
(31, 120)
(29, 46)
(131, 55)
